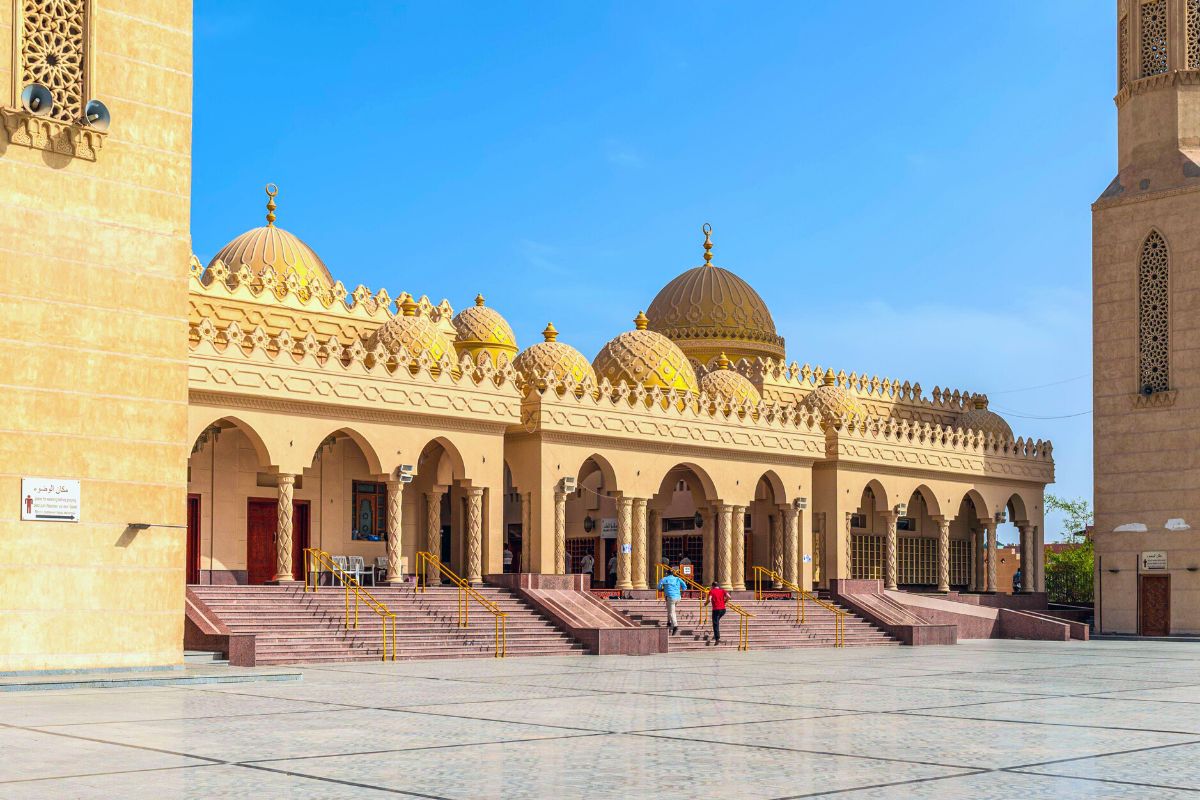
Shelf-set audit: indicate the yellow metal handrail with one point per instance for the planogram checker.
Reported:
(466, 593)
(314, 560)
(744, 616)
(839, 616)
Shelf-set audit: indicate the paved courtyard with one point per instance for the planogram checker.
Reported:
(992, 719)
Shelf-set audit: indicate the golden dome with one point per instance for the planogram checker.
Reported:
(274, 247)
(484, 334)
(641, 356)
(830, 401)
(726, 383)
(412, 334)
(980, 420)
(538, 361)
(707, 310)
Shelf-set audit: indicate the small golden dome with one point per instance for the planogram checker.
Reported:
(538, 361)
(274, 247)
(412, 334)
(641, 356)
(830, 401)
(707, 310)
(979, 419)
(726, 383)
(484, 335)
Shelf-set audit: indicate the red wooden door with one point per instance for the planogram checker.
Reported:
(1155, 605)
(299, 537)
(192, 569)
(262, 519)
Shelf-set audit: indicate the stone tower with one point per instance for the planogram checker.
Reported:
(1146, 327)
(94, 254)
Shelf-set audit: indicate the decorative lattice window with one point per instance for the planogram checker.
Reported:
(53, 37)
(1153, 318)
(1193, 34)
(866, 557)
(918, 561)
(1123, 51)
(1154, 38)
(960, 562)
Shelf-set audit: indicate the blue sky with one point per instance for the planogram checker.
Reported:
(908, 185)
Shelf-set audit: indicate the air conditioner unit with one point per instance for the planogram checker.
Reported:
(801, 503)
(568, 484)
(407, 469)
(406, 477)
(901, 509)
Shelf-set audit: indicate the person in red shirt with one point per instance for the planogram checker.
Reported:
(717, 597)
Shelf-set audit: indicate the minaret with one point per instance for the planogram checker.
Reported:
(1158, 96)
(1145, 342)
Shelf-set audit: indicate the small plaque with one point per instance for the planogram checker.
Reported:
(50, 499)
(1153, 561)
(626, 548)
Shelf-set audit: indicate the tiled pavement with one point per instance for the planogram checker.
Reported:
(990, 719)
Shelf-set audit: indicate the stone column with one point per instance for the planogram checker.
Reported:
(560, 531)
(433, 532)
(639, 543)
(943, 554)
(849, 552)
(474, 535)
(283, 530)
(777, 554)
(395, 527)
(527, 535)
(737, 554)
(655, 558)
(973, 561)
(1026, 550)
(891, 565)
(990, 527)
(1039, 560)
(791, 545)
(708, 535)
(724, 545)
(624, 538)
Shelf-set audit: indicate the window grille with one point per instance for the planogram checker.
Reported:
(918, 561)
(1153, 319)
(960, 562)
(1123, 51)
(866, 552)
(1193, 34)
(1154, 38)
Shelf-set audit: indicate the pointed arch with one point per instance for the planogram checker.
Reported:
(775, 484)
(226, 421)
(455, 466)
(932, 506)
(1154, 319)
(977, 504)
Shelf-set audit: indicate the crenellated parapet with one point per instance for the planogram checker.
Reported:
(283, 302)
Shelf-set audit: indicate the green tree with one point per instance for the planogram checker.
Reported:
(1069, 573)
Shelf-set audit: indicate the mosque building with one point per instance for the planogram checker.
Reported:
(205, 424)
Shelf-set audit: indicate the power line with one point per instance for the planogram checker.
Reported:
(1040, 386)
(1035, 416)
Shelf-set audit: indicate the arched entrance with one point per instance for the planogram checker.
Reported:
(682, 527)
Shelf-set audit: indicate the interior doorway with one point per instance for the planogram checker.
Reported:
(192, 568)
(1154, 605)
(262, 519)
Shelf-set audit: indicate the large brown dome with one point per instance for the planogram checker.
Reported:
(709, 310)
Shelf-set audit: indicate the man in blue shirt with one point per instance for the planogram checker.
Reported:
(672, 588)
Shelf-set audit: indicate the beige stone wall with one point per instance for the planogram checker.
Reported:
(93, 259)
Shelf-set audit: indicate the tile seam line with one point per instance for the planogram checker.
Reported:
(253, 761)
(343, 782)
(1166, 746)
(1101, 780)
(114, 744)
(102, 774)
(1049, 724)
(886, 785)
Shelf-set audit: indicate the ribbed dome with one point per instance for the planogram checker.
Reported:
(979, 419)
(644, 357)
(734, 386)
(830, 401)
(276, 248)
(484, 334)
(412, 334)
(708, 310)
(538, 361)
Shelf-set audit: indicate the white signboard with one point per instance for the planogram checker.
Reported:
(626, 548)
(53, 499)
(1153, 561)
(608, 528)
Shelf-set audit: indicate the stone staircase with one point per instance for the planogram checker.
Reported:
(292, 626)
(772, 627)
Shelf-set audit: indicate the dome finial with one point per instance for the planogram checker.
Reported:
(707, 244)
(723, 361)
(478, 299)
(271, 190)
(980, 401)
(550, 333)
(640, 321)
(830, 379)
(409, 306)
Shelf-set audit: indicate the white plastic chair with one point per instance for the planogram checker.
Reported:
(343, 565)
(358, 568)
(380, 567)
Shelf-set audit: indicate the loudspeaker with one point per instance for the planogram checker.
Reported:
(37, 100)
(95, 115)
(1147, 390)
